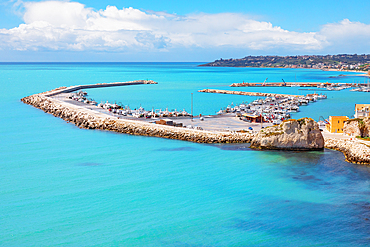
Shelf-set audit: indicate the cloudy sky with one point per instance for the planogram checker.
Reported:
(116, 30)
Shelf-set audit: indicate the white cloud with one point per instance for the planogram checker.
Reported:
(58, 14)
(64, 25)
(346, 29)
(346, 37)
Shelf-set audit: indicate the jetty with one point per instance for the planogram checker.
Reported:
(247, 93)
(276, 84)
(97, 85)
(317, 85)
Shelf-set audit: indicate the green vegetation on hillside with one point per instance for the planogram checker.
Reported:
(340, 62)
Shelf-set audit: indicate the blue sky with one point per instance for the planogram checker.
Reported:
(179, 30)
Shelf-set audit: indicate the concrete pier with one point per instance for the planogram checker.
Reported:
(247, 93)
(276, 84)
(97, 85)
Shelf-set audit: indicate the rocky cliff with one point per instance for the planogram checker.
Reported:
(301, 134)
(354, 151)
(357, 127)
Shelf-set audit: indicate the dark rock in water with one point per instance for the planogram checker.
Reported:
(301, 134)
(178, 149)
(235, 147)
(90, 164)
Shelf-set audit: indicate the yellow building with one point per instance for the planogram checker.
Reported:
(362, 110)
(336, 124)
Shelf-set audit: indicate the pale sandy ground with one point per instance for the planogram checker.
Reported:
(326, 133)
(226, 122)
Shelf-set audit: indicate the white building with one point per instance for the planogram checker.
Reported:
(362, 110)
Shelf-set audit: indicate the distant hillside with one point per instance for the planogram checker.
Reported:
(339, 62)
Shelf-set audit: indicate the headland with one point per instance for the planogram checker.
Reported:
(340, 62)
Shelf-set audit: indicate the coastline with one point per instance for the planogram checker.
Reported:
(363, 73)
(354, 151)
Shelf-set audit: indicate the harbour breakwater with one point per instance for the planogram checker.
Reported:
(276, 84)
(354, 151)
(247, 93)
(89, 119)
(83, 117)
(97, 85)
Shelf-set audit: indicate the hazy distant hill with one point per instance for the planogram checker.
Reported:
(340, 62)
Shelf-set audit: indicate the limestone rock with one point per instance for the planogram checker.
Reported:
(357, 127)
(302, 134)
(367, 127)
(354, 151)
(351, 128)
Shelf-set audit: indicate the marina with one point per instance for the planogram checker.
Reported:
(274, 109)
(184, 123)
(82, 169)
(125, 110)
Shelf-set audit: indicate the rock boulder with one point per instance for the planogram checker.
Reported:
(357, 127)
(301, 134)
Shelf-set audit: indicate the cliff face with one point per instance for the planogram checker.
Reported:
(302, 134)
(357, 127)
(366, 132)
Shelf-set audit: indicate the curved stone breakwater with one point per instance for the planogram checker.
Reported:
(89, 119)
(354, 151)
(247, 93)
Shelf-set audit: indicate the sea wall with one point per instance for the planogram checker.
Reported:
(354, 151)
(88, 119)
(247, 93)
(97, 85)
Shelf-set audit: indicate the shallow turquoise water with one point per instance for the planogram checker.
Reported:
(61, 185)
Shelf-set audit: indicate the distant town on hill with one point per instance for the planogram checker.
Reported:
(337, 62)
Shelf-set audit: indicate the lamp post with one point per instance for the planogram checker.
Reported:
(261, 120)
(192, 107)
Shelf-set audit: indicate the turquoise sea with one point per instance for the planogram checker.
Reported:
(65, 186)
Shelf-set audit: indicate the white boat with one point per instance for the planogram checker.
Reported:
(333, 88)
